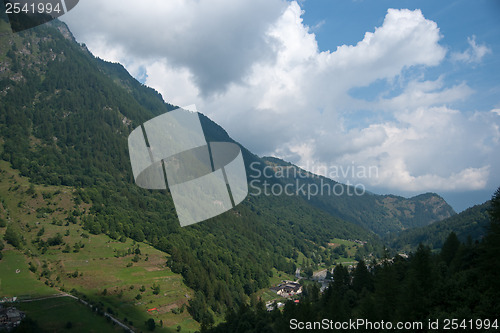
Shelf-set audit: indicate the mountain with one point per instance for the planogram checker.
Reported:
(65, 117)
(462, 281)
(469, 225)
(383, 214)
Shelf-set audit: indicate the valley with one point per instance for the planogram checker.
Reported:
(73, 221)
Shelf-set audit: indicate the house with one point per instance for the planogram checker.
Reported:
(288, 289)
(270, 306)
(10, 318)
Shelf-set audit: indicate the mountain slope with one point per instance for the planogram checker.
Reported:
(53, 255)
(64, 121)
(473, 223)
(380, 213)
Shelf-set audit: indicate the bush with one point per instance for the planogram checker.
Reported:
(56, 240)
(13, 237)
(150, 324)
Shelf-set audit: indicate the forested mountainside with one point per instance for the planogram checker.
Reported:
(64, 121)
(470, 225)
(456, 289)
(382, 214)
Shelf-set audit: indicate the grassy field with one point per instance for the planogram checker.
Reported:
(351, 248)
(54, 315)
(17, 280)
(119, 276)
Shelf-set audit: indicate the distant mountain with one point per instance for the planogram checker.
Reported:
(383, 214)
(470, 224)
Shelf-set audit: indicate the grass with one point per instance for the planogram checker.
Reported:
(21, 283)
(54, 314)
(102, 263)
(280, 276)
(351, 248)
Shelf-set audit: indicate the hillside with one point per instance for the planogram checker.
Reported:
(48, 252)
(469, 225)
(462, 281)
(64, 121)
(382, 214)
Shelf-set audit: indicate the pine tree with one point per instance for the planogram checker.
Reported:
(450, 248)
(362, 279)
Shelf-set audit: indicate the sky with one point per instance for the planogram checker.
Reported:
(410, 89)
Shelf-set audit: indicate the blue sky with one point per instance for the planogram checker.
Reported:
(457, 20)
(408, 87)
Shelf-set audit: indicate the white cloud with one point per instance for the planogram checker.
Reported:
(426, 93)
(255, 68)
(217, 40)
(425, 150)
(474, 54)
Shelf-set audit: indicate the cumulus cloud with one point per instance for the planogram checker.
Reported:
(424, 150)
(218, 41)
(474, 54)
(255, 68)
(426, 93)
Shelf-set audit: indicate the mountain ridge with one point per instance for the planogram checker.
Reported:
(389, 213)
(470, 225)
(65, 116)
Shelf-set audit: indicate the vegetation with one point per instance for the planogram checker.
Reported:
(76, 317)
(461, 282)
(84, 226)
(64, 120)
(470, 226)
(382, 214)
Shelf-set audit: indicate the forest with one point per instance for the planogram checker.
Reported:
(64, 120)
(65, 116)
(461, 282)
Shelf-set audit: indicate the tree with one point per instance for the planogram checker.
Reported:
(386, 290)
(66, 249)
(450, 248)
(13, 237)
(150, 324)
(137, 235)
(494, 211)
(416, 297)
(156, 289)
(362, 278)
(56, 240)
(490, 260)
